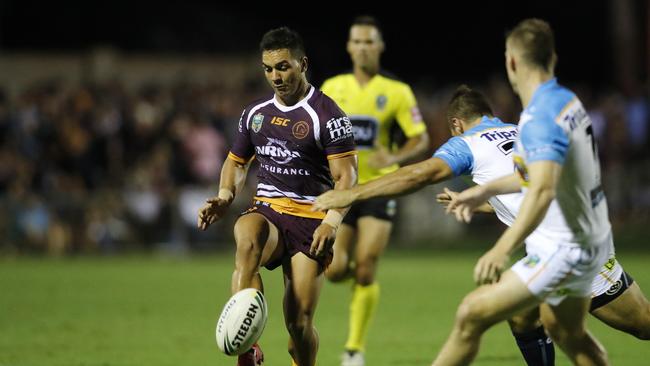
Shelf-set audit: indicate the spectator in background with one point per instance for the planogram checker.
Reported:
(63, 143)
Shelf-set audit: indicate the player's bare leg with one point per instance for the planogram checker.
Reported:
(303, 282)
(372, 238)
(340, 269)
(480, 309)
(565, 323)
(629, 313)
(257, 244)
(373, 235)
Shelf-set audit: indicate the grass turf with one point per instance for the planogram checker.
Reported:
(159, 311)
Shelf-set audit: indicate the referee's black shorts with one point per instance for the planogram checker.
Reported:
(381, 208)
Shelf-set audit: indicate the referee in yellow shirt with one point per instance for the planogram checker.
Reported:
(378, 105)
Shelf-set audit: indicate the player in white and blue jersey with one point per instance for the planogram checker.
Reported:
(562, 217)
(481, 146)
(615, 298)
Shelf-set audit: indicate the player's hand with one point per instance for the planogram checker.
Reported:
(336, 198)
(324, 236)
(464, 204)
(213, 210)
(445, 197)
(490, 266)
(381, 158)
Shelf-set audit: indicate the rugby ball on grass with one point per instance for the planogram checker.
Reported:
(241, 322)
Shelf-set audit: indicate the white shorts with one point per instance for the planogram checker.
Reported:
(554, 271)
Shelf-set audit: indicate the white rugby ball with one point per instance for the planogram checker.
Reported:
(241, 322)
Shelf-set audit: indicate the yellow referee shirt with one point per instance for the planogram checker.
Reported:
(373, 110)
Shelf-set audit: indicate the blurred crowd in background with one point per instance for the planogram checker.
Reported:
(103, 168)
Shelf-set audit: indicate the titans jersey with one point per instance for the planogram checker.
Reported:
(555, 127)
(292, 145)
(485, 153)
(374, 109)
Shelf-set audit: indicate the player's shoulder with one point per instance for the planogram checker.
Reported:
(325, 106)
(320, 99)
(256, 106)
(549, 100)
(259, 102)
(457, 143)
(457, 154)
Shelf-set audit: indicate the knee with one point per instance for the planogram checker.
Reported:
(365, 270)
(247, 248)
(522, 323)
(560, 333)
(470, 317)
(249, 239)
(300, 324)
(248, 256)
(337, 273)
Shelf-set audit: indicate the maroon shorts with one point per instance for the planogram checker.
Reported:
(296, 233)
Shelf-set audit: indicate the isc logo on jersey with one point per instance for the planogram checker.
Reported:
(277, 150)
(241, 322)
(339, 128)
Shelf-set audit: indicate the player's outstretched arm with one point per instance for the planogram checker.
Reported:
(233, 177)
(466, 202)
(344, 173)
(405, 180)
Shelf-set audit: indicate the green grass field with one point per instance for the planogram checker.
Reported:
(158, 311)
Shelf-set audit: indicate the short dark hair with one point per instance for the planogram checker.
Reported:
(535, 37)
(281, 38)
(367, 20)
(467, 104)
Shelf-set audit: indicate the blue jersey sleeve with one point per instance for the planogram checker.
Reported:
(544, 140)
(457, 155)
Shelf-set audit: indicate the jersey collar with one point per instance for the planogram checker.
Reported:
(301, 102)
(486, 122)
(542, 88)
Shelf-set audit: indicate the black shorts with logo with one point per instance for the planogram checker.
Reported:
(381, 208)
(296, 233)
(617, 289)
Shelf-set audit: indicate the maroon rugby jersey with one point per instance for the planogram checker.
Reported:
(292, 145)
